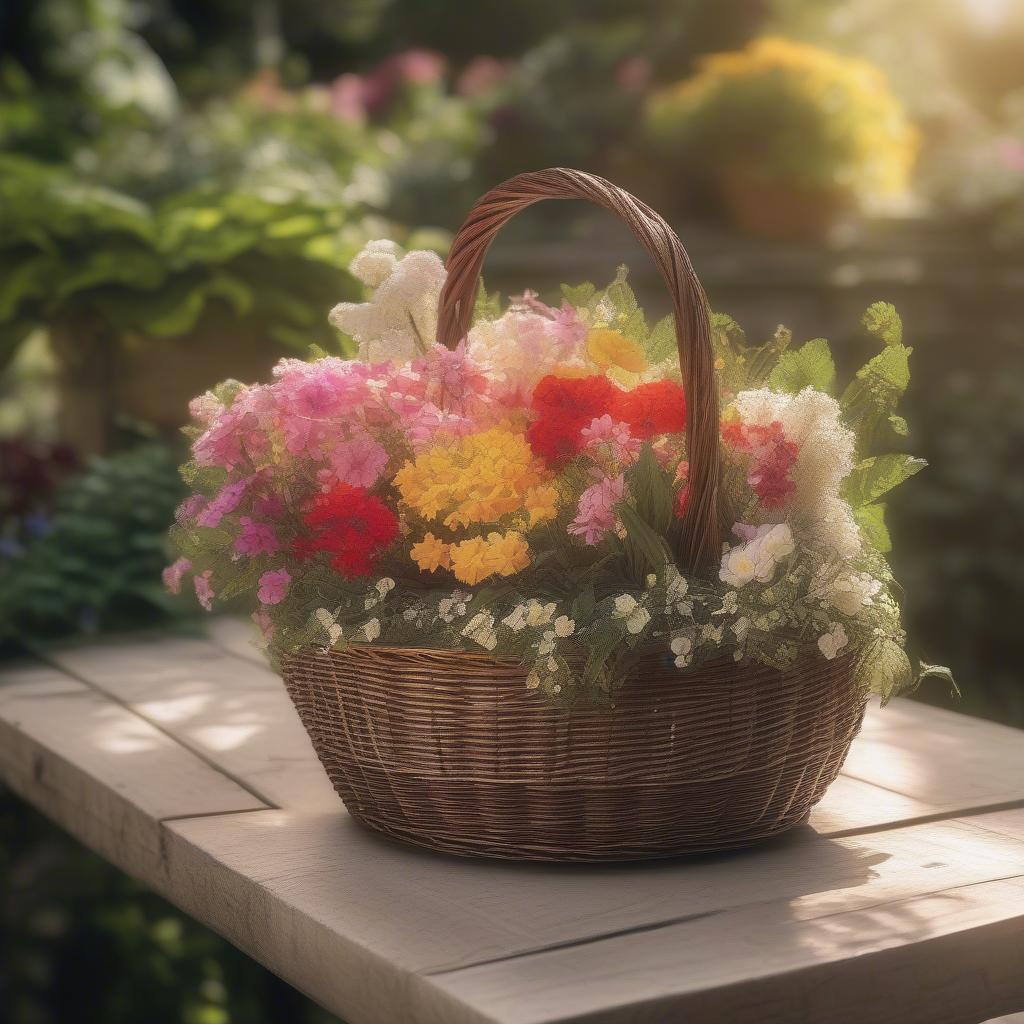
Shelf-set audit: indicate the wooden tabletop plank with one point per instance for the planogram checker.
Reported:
(123, 743)
(103, 773)
(232, 711)
(474, 928)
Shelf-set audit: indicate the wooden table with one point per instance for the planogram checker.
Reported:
(181, 761)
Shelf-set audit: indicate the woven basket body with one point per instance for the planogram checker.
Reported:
(451, 751)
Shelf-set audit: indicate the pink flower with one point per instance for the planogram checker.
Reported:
(595, 514)
(603, 430)
(226, 501)
(189, 508)
(204, 592)
(273, 585)
(262, 619)
(269, 506)
(358, 461)
(256, 538)
(175, 573)
(453, 380)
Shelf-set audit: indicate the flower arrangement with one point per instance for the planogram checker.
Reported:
(785, 111)
(521, 494)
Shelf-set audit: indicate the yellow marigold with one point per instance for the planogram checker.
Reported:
(500, 554)
(430, 554)
(477, 479)
(610, 348)
(541, 503)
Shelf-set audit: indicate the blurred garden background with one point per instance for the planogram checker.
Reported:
(183, 183)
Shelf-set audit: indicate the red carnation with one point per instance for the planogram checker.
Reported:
(352, 525)
(565, 405)
(650, 409)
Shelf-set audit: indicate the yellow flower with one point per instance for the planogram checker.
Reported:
(541, 503)
(610, 348)
(476, 559)
(479, 479)
(430, 554)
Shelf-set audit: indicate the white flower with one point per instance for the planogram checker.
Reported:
(832, 642)
(728, 603)
(564, 626)
(481, 629)
(371, 630)
(547, 643)
(682, 648)
(451, 608)
(738, 567)
(532, 680)
(741, 627)
(399, 322)
(385, 585)
(757, 558)
(851, 593)
(327, 619)
(629, 608)
(516, 619)
(538, 614)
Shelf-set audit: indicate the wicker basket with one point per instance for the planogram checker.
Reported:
(452, 751)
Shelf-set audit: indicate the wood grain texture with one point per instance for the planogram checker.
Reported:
(857, 918)
(231, 711)
(106, 775)
(520, 942)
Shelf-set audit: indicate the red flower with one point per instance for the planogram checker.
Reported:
(565, 405)
(352, 525)
(772, 459)
(650, 409)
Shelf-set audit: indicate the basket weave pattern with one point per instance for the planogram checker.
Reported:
(452, 751)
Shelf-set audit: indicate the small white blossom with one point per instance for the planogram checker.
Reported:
(682, 648)
(629, 608)
(330, 623)
(564, 626)
(832, 642)
(851, 593)
(480, 628)
(371, 630)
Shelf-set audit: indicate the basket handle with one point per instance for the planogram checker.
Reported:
(700, 541)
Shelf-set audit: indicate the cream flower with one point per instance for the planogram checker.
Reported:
(682, 648)
(832, 642)
(852, 592)
(636, 615)
(330, 624)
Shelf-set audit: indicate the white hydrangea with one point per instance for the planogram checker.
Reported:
(813, 421)
(329, 621)
(399, 321)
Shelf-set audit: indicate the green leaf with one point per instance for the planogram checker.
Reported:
(661, 342)
(878, 475)
(810, 366)
(580, 295)
(885, 669)
(870, 399)
(486, 307)
(871, 520)
(882, 320)
(926, 671)
(899, 425)
(644, 541)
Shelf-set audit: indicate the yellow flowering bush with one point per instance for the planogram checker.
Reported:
(788, 111)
